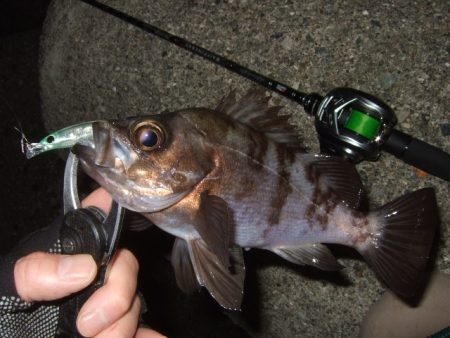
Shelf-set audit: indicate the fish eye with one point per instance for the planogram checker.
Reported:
(148, 136)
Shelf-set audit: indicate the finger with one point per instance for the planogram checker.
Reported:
(112, 300)
(42, 276)
(148, 333)
(126, 326)
(99, 198)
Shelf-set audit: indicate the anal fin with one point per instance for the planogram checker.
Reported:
(317, 255)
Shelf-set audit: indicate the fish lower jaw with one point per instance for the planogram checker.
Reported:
(148, 204)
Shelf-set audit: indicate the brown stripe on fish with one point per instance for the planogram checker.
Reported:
(311, 175)
(360, 222)
(285, 159)
(323, 200)
(257, 149)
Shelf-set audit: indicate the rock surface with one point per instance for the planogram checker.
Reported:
(95, 66)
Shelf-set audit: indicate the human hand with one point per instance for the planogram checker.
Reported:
(112, 311)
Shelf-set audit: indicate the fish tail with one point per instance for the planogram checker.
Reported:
(402, 234)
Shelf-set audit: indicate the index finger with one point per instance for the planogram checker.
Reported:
(99, 198)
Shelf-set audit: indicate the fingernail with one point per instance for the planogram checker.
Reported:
(76, 268)
(93, 321)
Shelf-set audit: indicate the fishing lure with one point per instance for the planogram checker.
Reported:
(60, 139)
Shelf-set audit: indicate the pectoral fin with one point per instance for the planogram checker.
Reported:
(214, 225)
(317, 255)
(225, 284)
(184, 271)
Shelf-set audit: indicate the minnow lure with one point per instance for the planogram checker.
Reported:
(60, 139)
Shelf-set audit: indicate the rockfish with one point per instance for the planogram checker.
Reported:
(236, 177)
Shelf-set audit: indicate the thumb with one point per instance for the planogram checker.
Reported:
(42, 276)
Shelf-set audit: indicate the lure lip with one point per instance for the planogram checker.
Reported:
(63, 138)
(33, 149)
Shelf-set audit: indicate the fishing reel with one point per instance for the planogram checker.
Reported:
(358, 126)
(351, 123)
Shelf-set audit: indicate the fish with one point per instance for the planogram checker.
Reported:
(237, 177)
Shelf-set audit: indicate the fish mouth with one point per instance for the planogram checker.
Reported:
(102, 150)
(85, 153)
(105, 161)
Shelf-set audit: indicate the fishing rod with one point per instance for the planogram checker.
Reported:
(350, 123)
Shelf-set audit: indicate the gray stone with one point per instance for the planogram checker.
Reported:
(445, 129)
(95, 66)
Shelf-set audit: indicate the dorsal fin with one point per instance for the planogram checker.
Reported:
(253, 110)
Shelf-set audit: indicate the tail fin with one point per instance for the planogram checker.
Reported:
(400, 248)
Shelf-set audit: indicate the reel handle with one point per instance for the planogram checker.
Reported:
(81, 232)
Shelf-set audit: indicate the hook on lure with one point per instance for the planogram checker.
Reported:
(63, 138)
(24, 143)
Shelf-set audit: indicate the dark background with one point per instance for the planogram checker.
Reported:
(30, 189)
